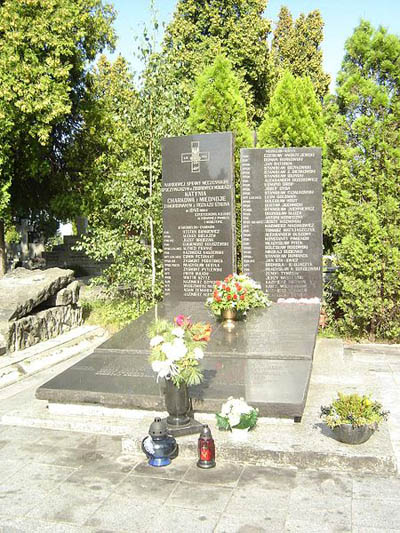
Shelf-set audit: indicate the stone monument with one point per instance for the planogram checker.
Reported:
(198, 213)
(266, 359)
(282, 220)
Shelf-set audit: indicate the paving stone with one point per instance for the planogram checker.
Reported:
(75, 500)
(122, 514)
(225, 474)
(22, 433)
(10, 467)
(295, 525)
(268, 478)
(373, 487)
(272, 520)
(63, 439)
(24, 451)
(146, 490)
(24, 525)
(375, 513)
(257, 500)
(105, 443)
(200, 497)
(176, 470)
(29, 487)
(181, 520)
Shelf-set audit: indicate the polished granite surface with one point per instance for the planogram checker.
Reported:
(266, 359)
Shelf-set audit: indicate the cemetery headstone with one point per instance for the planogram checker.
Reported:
(198, 213)
(282, 220)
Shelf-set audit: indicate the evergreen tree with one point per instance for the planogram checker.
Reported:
(217, 105)
(294, 115)
(235, 28)
(296, 46)
(362, 195)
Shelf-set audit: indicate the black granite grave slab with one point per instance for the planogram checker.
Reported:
(266, 359)
(282, 220)
(198, 213)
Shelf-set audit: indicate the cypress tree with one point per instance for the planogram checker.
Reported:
(362, 195)
(294, 115)
(296, 46)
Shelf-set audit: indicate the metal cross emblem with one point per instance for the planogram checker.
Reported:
(195, 157)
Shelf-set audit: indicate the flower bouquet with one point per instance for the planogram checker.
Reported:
(236, 414)
(177, 348)
(238, 292)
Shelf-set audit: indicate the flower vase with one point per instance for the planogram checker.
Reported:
(229, 316)
(240, 435)
(177, 403)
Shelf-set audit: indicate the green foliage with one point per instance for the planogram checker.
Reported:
(355, 410)
(112, 314)
(44, 50)
(217, 104)
(296, 46)
(362, 197)
(294, 115)
(12, 235)
(200, 31)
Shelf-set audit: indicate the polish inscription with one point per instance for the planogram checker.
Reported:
(198, 213)
(281, 220)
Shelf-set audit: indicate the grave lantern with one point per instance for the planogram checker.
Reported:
(159, 447)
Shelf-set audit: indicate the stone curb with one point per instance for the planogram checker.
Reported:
(46, 354)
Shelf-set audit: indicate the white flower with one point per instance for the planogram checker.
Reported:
(156, 340)
(234, 419)
(198, 353)
(174, 350)
(162, 368)
(178, 332)
(166, 348)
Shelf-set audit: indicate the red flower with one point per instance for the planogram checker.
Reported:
(235, 296)
(242, 296)
(218, 283)
(229, 297)
(223, 286)
(228, 289)
(228, 278)
(239, 287)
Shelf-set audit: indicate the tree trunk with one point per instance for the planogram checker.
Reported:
(3, 258)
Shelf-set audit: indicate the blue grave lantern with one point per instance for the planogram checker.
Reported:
(159, 447)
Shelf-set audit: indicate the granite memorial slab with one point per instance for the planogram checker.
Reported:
(270, 369)
(282, 220)
(198, 213)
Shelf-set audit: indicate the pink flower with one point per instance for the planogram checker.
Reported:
(182, 321)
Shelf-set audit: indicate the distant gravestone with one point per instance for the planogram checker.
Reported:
(198, 213)
(282, 220)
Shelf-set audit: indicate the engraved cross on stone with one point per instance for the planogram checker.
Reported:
(195, 157)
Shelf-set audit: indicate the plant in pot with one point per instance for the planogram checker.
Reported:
(353, 418)
(176, 351)
(237, 417)
(234, 296)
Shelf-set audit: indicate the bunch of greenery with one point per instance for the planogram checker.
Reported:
(236, 414)
(236, 291)
(177, 348)
(361, 192)
(355, 410)
(294, 115)
(296, 47)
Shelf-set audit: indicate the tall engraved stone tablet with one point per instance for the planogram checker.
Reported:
(198, 213)
(282, 220)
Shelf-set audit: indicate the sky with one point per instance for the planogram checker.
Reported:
(340, 17)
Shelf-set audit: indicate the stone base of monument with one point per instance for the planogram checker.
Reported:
(192, 428)
(266, 359)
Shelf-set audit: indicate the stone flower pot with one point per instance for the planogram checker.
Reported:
(353, 435)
